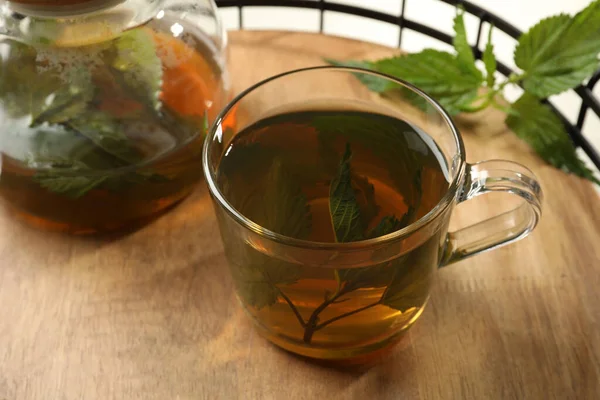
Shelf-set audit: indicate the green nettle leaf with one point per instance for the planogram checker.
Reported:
(373, 276)
(365, 196)
(50, 94)
(374, 83)
(139, 65)
(255, 289)
(258, 278)
(464, 53)
(536, 124)
(438, 73)
(259, 275)
(409, 286)
(343, 207)
(358, 278)
(282, 208)
(387, 141)
(348, 226)
(68, 101)
(74, 177)
(559, 52)
(387, 225)
(73, 186)
(107, 133)
(489, 60)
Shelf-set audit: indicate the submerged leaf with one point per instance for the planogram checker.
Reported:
(136, 59)
(343, 207)
(107, 133)
(409, 287)
(365, 196)
(387, 225)
(282, 207)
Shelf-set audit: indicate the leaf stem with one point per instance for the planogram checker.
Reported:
(311, 325)
(483, 105)
(293, 307)
(329, 321)
(512, 79)
(488, 98)
(336, 273)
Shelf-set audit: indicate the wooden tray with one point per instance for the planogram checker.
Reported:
(152, 315)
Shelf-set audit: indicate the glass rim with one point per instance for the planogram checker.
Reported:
(431, 215)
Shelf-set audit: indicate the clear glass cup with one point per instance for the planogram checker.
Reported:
(104, 105)
(337, 324)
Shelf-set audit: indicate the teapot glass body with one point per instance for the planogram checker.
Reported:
(104, 105)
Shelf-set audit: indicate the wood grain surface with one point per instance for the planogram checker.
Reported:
(152, 314)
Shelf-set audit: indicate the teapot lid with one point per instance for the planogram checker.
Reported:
(59, 8)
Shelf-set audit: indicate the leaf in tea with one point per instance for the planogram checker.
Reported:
(365, 197)
(107, 133)
(140, 66)
(282, 208)
(389, 142)
(343, 207)
(409, 286)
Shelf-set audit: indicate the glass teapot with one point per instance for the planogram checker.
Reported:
(104, 105)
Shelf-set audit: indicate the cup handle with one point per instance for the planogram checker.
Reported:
(495, 176)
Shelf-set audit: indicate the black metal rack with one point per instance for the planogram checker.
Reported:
(588, 100)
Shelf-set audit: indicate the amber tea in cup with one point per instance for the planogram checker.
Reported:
(334, 207)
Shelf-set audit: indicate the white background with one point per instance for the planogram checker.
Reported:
(521, 13)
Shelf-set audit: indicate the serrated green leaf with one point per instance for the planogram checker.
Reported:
(489, 60)
(45, 93)
(366, 277)
(559, 52)
(409, 286)
(253, 287)
(282, 206)
(343, 207)
(464, 53)
(387, 225)
(107, 133)
(387, 140)
(536, 124)
(73, 186)
(68, 101)
(74, 178)
(17, 73)
(374, 276)
(258, 275)
(438, 73)
(365, 197)
(140, 66)
(258, 278)
(374, 83)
